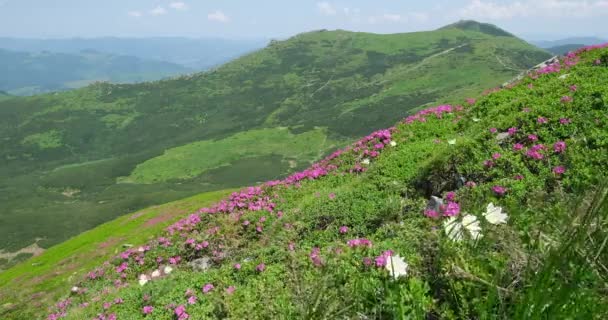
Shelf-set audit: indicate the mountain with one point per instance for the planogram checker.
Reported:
(584, 41)
(563, 49)
(72, 160)
(33, 73)
(4, 95)
(455, 212)
(197, 54)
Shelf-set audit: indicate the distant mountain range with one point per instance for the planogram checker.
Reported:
(585, 41)
(198, 54)
(24, 73)
(563, 46)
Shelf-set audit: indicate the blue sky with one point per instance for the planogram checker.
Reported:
(282, 18)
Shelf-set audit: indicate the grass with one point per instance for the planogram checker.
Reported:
(196, 158)
(344, 84)
(45, 277)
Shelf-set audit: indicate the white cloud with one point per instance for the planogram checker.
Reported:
(326, 8)
(493, 10)
(158, 11)
(135, 14)
(218, 16)
(391, 17)
(178, 5)
(398, 18)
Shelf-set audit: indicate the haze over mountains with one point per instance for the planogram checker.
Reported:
(197, 54)
(86, 156)
(26, 73)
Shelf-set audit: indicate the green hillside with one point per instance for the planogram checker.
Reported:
(26, 73)
(494, 209)
(72, 160)
(563, 49)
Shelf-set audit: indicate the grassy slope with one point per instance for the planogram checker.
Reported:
(49, 273)
(349, 83)
(35, 73)
(514, 271)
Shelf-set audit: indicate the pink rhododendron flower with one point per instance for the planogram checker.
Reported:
(367, 261)
(471, 184)
(499, 190)
(361, 242)
(450, 196)
(230, 290)
(573, 88)
(192, 300)
(260, 267)
(343, 229)
(237, 266)
(512, 131)
(559, 146)
(471, 101)
(542, 120)
(518, 147)
(488, 163)
(559, 170)
(180, 312)
(332, 196)
(564, 121)
(532, 137)
(493, 130)
(566, 99)
(207, 288)
(519, 177)
(431, 213)
(495, 156)
(451, 209)
(315, 257)
(147, 310)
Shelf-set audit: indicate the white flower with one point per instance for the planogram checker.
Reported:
(452, 142)
(470, 223)
(143, 279)
(365, 161)
(167, 270)
(453, 228)
(476, 119)
(75, 289)
(141, 249)
(396, 266)
(564, 76)
(393, 143)
(494, 214)
(156, 273)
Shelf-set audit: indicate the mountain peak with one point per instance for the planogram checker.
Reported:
(473, 25)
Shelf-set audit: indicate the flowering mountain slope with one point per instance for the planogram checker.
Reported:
(492, 209)
(101, 151)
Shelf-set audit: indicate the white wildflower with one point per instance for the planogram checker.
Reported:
(476, 119)
(564, 76)
(494, 214)
(75, 289)
(156, 273)
(396, 266)
(393, 143)
(167, 270)
(453, 228)
(471, 223)
(141, 249)
(365, 161)
(143, 279)
(452, 142)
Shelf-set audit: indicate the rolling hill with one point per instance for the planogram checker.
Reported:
(26, 73)
(70, 161)
(496, 208)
